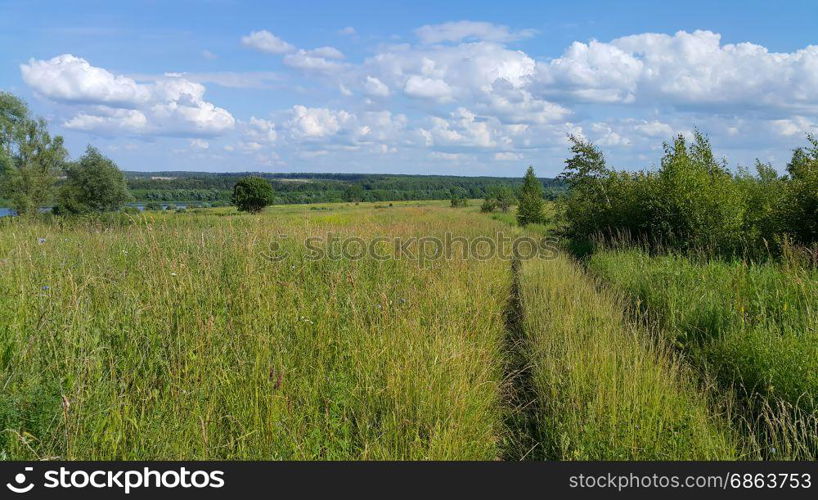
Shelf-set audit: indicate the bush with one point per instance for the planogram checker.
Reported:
(488, 206)
(459, 197)
(93, 184)
(252, 194)
(692, 202)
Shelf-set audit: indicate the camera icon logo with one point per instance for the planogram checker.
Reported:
(20, 479)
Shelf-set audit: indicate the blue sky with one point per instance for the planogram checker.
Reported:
(466, 88)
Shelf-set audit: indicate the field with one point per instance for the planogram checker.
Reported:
(211, 334)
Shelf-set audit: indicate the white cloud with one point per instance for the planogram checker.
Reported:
(508, 156)
(468, 30)
(326, 53)
(317, 122)
(688, 70)
(266, 42)
(348, 31)
(427, 88)
(111, 103)
(311, 60)
(463, 128)
(375, 87)
(209, 55)
(199, 144)
(73, 79)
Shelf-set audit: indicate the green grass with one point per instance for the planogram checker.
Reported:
(174, 338)
(604, 390)
(753, 326)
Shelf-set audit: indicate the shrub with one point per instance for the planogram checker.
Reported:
(459, 197)
(252, 194)
(93, 184)
(488, 205)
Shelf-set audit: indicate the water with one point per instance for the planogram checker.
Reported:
(6, 211)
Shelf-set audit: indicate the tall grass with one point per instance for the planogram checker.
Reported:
(604, 389)
(754, 326)
(174, 338)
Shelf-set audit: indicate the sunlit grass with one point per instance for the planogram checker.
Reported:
(753, 326)
(174, 338)
(605, 391)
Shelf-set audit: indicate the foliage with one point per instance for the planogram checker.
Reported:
(692, 202)
(93, 184)
(30, 159)
(252, 194)
(321, 188)
(530, 208)
(488, 205)
(459, 197)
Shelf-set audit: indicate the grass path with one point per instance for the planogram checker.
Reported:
(605, 390)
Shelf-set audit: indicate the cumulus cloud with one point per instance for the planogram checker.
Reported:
(341, 127)
(691, 70)
(348, 31)
(266, 42)
(73, 79)
(111, 103)
(428, 88)
(459, 31)
(317, 122)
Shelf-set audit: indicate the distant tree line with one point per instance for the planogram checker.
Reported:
(293, 188)
(693, 201)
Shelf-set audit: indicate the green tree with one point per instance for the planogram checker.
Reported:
(799, 209)
(252, 194)
(505, 198)
(459, 197)
(530, 208)
(30, 159)
(354, 192)
(93, 184)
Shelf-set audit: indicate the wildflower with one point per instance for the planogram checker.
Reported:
(402, 300)
(173, 274)
(40, 240)
(772, 451)
(46, 288)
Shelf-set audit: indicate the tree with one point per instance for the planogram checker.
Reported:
(587, 168)
(93, 184)
(799, 210)
(30, 159)
(530, 209)
(489, 204)
(252, 194)
(459, 197)
(505, 198)
(354, 192)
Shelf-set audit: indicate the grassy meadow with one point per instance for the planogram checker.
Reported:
(176, 337)
(210, 334)
(753, 326)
